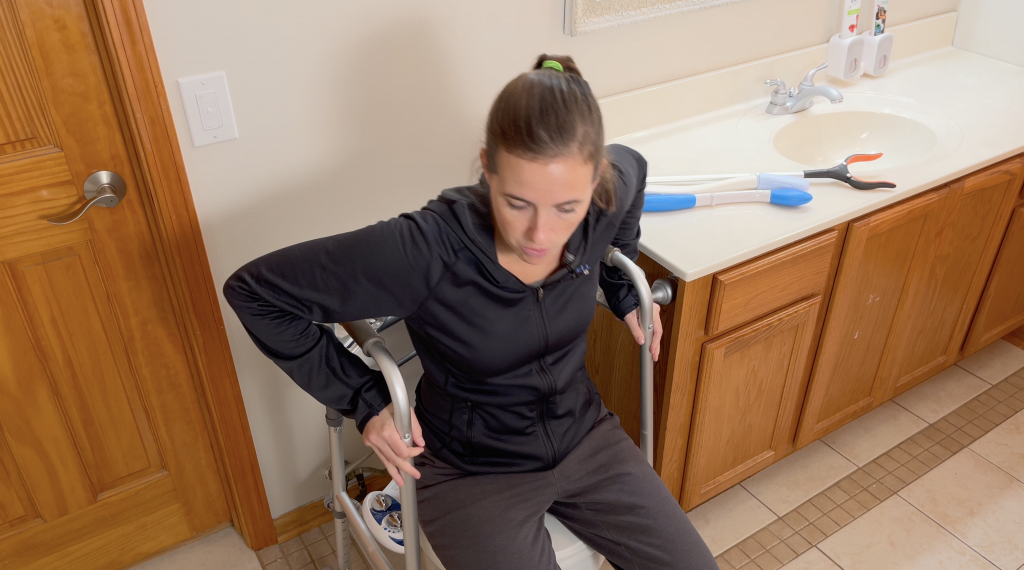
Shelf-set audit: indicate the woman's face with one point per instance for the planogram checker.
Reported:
(538, 205)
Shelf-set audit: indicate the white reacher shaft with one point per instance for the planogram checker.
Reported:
(705, 178)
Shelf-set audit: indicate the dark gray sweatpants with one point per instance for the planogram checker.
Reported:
(604, 492)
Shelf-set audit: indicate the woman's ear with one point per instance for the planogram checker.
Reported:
(483, 163)
(600, 172)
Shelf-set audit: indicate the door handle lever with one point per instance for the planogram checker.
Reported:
(105, 189)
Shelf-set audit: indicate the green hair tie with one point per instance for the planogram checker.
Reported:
(552, 64)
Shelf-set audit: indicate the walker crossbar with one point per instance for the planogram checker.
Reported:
(346, 510)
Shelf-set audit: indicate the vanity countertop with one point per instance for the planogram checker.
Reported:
(982, 96)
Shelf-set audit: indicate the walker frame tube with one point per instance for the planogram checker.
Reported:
(346, 511)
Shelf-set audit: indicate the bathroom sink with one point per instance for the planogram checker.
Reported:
(906, 132)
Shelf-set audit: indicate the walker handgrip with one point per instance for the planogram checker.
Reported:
(615, 258)
(373, 346)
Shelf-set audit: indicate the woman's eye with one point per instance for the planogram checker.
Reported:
(517, 207)
(567, 211)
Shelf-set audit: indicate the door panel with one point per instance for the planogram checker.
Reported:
(746, 400)
(1002, 306)
(103, 421)
(946, 287)
(876, 262)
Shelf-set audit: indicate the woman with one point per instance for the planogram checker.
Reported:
(496, 283)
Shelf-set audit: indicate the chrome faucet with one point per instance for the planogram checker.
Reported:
(799, 99)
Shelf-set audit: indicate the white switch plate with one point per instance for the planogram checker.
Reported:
(208, 108)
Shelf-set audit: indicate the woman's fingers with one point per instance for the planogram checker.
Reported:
(417, 431)
(656, 344)
(633, 323)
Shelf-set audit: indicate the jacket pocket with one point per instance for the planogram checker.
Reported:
(469, 431)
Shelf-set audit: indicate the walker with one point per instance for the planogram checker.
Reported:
(347, 510)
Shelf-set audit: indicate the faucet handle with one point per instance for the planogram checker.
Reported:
(779, 93)
(809, 78)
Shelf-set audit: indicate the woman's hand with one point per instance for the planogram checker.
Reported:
(633, 322)
(381, 435)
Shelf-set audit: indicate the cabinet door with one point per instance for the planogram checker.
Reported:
(944, 289)
(877, 260)
(746, 400)
(1002, 306)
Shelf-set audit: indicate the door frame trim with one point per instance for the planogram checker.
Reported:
(152, 138)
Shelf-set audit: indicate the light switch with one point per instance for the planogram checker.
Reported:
(208, 108)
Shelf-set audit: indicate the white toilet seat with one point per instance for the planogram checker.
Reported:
(571, 553)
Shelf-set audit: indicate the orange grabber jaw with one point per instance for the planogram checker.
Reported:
(841, 173)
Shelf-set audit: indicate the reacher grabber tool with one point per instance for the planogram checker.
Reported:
(840, 172)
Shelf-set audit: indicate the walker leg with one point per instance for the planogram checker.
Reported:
(341, 538)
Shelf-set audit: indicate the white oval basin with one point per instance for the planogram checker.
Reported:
(864, 123)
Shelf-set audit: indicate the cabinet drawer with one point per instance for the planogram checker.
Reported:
(766, 284)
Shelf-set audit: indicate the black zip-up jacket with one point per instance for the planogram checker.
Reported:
(504, 388)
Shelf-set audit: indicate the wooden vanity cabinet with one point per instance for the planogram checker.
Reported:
(1002, 306)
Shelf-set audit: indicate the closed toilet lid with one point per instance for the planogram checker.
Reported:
(570, 552)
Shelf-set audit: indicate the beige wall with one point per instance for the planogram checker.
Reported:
(351, 112)
(992, 28)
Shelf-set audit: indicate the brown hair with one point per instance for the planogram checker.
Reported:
(546, 113)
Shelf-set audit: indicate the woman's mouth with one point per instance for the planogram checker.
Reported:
(534, 252)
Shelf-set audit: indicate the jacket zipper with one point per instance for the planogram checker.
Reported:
(549, 383)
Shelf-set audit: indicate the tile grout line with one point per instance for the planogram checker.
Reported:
(948, 531)
(908, 410)
(993, 464)
(770, 510)
(940, 437)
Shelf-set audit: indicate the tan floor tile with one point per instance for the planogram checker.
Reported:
(751, 547)
(327, 528)
(973, 430)
(782, 553)
(736, 557)
(853, 507)
(813, 559)
(923, 440)
(942, 393)
(905, 474)
(277, 565)
(994, 362)
(723, 564)
(1001, 391)
(836, 494)
(798, 477)
(812, 534)
(893, 482)
(960, 417)
(862, 478)
(976, 406)
(1004, 409)
(767, 562)
(840, 516)
(880, 467)
(823, 503)
(781, 529)
(221, 550)
(849, 486)
(899, 455)
(795, 520)
(311, 536)
(916, 466)
(766, 538)
(309, 566)
(270, 554)
(1004, 446)
(298, 559)
(826, 525)
(329, 561)
(729, 518)
(979, 503)
(809, 511)
(945, 427)
(320, 548)
(911, 448)
(933, 433)
(962, 437)
(987, 400)
(984, 424)
(880, 491)
(928, 458)
(870, 435)
(291, 545)
(1015, 403)
(896, 536)
(940, 451)
(866, 499)
(798, 543)
(750, 566)
(952, 445)
(995, 416)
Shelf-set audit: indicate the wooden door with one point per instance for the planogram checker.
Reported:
(943, 292)
(105, 453)
(1002, 307)
(879, 255)
(747, 399)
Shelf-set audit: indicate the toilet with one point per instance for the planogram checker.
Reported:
(570, 552)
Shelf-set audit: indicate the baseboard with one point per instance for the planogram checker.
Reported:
(309, 516)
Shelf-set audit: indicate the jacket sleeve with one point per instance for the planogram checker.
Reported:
(630, 170)
(281, 298)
